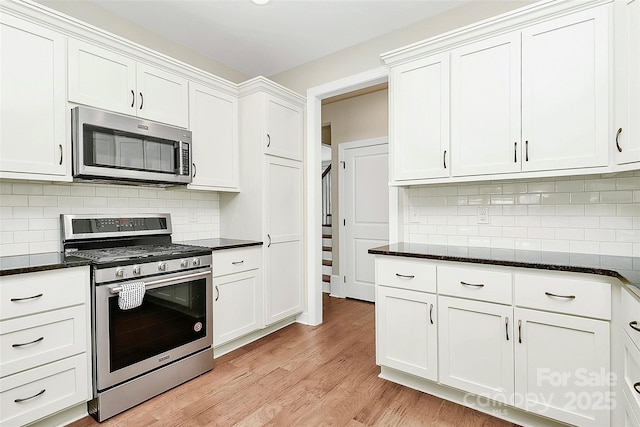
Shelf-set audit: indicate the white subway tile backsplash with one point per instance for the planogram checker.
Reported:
(30, 211)
(595, 214)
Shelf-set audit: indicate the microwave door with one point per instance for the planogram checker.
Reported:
(129, 152)
(159, 156)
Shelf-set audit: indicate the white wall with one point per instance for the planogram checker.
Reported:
(597, 214)
(30, 211)
(93, 14)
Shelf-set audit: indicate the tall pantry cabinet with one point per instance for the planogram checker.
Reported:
(270, 206)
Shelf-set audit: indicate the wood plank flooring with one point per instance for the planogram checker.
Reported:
(301, 376)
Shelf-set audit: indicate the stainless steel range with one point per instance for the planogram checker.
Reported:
(151, 307)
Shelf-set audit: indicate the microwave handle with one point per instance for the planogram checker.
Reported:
(117, 289)
(180, 160)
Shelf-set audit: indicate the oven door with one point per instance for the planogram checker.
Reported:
(174, 321)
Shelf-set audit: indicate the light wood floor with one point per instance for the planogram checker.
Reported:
(301, 376)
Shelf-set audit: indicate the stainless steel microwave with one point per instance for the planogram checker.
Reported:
(112, 147)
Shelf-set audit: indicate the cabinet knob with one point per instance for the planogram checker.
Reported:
(617, 140)
(217, 293)
(24, 399)
(28, 343)
(634, 325)
(549, 294)
(404, 276)
(26, 298)
(636, 387)
(268, 140)
(475, 285)
(60, 154)
(133, 98)
(141, 100)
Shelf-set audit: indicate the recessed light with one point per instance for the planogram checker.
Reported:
(260, 2)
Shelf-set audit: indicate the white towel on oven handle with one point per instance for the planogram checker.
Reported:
(131, 295)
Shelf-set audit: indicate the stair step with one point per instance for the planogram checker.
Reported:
(327, 262)
(326, 236)
(326, 278)
(327, 249)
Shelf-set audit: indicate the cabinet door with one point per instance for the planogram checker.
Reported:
(283, 251)
(627, 81)
(213, 121)
(162, 96)
(101, 78)
(476, 347)
(406, 331)
(419, 118)
(237, 307)
(485, 106)
(33, 125)
(562, 367)
(284, 129)
(565, 97)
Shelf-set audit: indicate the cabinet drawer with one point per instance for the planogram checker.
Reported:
(30, 293)
(406, 273)
(631, 372)
(476, 283)
(42, 338)
(65, 383)
(236, 260)
(631, 314)
(582, 297)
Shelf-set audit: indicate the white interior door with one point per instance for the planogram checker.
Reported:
(365, 220)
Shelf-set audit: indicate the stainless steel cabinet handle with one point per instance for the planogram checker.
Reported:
(141, 100)
(431, 313)
(133, 98)
(635, 386)
(194, 170)
(405, 276)
(237, 262)
(475, 285)
(515, 152)
(268, 140)
(549, 294)
(60, 154)
(634, 325)
(444, 159)
(269, 237)
(217, 293)
(617, 142)
(526, 151)
(32, 397)
(26, 298)
(520, 331)
(506, 327)
(27, 343)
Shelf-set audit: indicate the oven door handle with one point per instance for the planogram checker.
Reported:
(117, 289)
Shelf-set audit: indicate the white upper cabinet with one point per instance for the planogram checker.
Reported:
(284, 129)
(485, 106)
(33, 124)
(565, 96)
(627, 82)
(419, 119)
(105, 79)
(213, 119)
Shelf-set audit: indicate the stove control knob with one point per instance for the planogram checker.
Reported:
(184, 263)
(120, 273)
(162, 266)
(196, 262)
(137, 270)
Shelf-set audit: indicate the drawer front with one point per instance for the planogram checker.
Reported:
(406, 273)
(65, 383)
(29, 293)
(581, 297)
(38, 339)
(631, 372)
(631, 316)
(236, 260)
(483, 284)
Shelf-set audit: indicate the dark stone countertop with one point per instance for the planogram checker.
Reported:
(38, 262)
(221, 243)
(19, 264)
(621, 267)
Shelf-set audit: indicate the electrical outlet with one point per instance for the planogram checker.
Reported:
(483, 215)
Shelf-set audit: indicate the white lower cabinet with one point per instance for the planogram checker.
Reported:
(406, 331)
(476, 347)
(238, 289)
(533, 340)
(562, 367)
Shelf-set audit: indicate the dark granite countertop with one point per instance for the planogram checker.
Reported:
(38, 262)
(221, 243)
(626, 268)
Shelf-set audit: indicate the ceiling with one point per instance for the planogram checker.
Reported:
(266, 40)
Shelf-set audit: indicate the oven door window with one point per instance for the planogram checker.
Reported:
(121, 150)
(169, 317)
